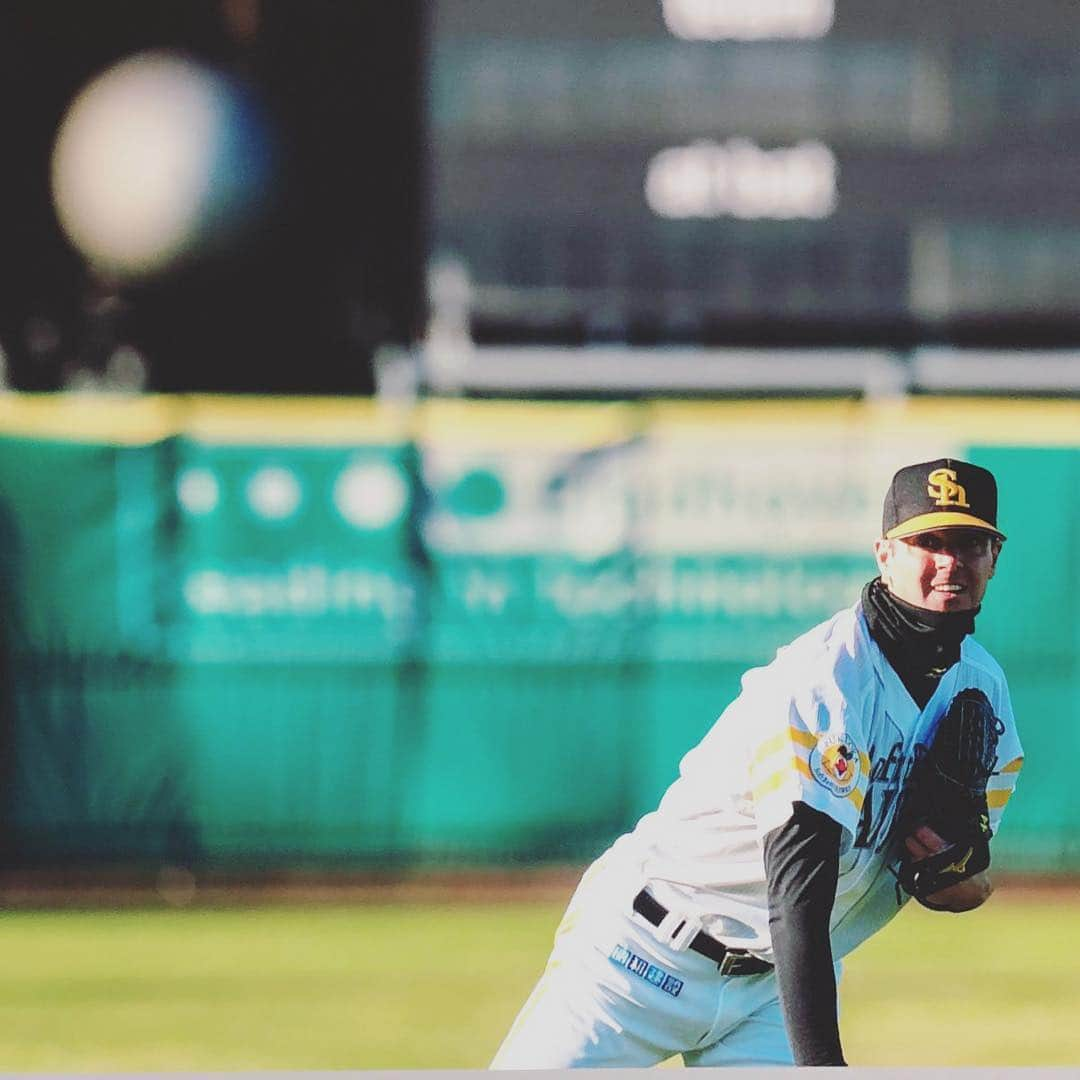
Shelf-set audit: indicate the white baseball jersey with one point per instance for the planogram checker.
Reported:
(828, 723)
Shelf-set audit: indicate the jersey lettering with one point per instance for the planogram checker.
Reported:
(886, 770)
(873, 832)
(887, 776)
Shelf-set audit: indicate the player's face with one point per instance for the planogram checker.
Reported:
(942, 570)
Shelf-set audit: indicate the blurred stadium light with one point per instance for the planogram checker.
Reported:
(157, 159)
(747, 20)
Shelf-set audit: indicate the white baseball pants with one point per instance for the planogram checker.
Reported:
(615, 995)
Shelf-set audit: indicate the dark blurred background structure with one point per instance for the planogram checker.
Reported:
(752, 173)
(761, 173)
(335, 268)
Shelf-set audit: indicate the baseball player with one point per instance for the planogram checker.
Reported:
(869, 762)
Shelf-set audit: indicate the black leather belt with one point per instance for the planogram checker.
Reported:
(730, 961)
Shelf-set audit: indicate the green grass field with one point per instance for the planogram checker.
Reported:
(428, 986)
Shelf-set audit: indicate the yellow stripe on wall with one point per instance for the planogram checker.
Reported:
(261, 421)
(117, 419)
(285, 421)
(995, 421)
(99, 418)
(527, 423)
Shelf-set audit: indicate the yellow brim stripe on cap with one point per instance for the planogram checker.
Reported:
(939, 520)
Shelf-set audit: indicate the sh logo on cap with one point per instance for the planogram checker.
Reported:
(944, 489)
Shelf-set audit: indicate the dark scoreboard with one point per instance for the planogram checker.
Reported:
(773, 170)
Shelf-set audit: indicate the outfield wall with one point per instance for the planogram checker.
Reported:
(341, 633)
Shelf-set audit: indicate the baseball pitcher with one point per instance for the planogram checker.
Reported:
(869, 763)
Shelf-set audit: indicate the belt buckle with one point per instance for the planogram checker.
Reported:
(734, 962)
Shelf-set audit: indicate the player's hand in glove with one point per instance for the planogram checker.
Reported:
(963, 895)
(944, 819)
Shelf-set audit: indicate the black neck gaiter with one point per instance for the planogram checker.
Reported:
(920, 645)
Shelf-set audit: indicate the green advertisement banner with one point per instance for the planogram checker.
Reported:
(332, 633)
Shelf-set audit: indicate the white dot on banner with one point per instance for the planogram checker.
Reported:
(198, 491)
(370, 496)
(596, 532)
(274, 493)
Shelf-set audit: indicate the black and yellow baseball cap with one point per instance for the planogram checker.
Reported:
(940, 494)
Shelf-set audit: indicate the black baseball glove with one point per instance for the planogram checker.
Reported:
(946, 790)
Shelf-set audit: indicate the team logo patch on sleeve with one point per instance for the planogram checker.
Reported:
(834, 761)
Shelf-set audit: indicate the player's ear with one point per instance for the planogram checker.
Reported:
(995, 551)
(882, 554)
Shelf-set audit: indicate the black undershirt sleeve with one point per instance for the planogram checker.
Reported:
(802, 864)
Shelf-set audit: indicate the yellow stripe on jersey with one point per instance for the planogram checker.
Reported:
(997, 798)
(773, 755)
(780, 740)
(769, 747)
(570, 920)
(776, 780)
(1013, 766)
(769, 785)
